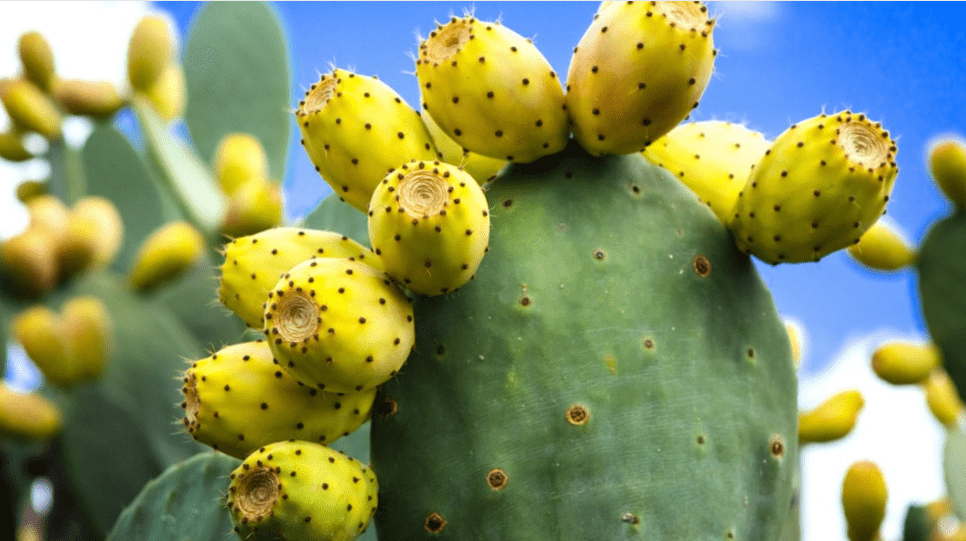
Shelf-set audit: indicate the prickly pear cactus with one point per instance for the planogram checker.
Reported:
(591, 383)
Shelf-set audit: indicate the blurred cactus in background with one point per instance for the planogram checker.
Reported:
(528, 310)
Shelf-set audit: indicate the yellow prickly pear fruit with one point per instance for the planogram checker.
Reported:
(904, 363)
(239, 159)
(254, 207)
(98, 99)
(795, 338)
(237, 400)
(942, 398)
(27, 415)
(832, 419)
(97, 214)
(882, 248)
(339, 325)
(492, 91)
(75, 254)
(29, 262)
(41, 333)
(12, 149)
(50, 215)
(355, 129)
(149, 52)
(712, 158)
(864, 496)
(168, 95)
(429, 223)
(820, 186)
(947, 163)
(637, 72)
(254, 264)
(30, 109)
(165, 255)
(480, 167)
(37, 60)
(30, 189)
(87, 326)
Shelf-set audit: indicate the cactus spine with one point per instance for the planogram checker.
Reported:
(480, 167)
(637, 72)
(238, 399)
(356, 129)
(492, 91)
(429, 224)
(339, 325)
(301, 491)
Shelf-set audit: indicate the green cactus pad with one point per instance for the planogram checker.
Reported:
(238, 399)
(616, 371)
(339, 325)
(238, 77)
(301, 491)
(954, 467)
(429, 223)
(356, 129)
(492, 91)
(180, 504)
(253, 265)
(942, 273)
(637, 72)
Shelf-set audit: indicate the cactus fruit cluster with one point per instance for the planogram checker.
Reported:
(533, 315)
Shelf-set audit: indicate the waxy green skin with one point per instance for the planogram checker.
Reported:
(591, 295)
(942, 273)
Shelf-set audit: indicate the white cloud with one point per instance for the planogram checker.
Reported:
(743, 25)
(89, 41)
(895, 430)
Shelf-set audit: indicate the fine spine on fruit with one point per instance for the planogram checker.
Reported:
(480, 167)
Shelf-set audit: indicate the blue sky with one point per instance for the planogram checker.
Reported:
(900, 63)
